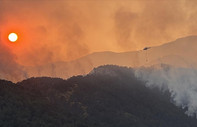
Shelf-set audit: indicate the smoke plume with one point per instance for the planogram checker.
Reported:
(181, 83)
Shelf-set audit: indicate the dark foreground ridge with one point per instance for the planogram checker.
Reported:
(110, 96)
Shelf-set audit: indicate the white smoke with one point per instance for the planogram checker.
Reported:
(181, 83)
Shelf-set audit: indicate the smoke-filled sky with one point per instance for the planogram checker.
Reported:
(63, 30)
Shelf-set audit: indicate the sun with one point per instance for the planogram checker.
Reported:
(13, 37)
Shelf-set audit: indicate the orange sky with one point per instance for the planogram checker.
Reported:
(62, 30)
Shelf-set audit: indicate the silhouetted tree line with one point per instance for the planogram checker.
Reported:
(110, 96)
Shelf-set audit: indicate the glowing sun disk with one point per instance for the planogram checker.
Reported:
(13, 37)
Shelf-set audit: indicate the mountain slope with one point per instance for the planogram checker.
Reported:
(110, 96)
(180, 52)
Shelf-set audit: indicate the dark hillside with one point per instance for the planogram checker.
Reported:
(110, 96)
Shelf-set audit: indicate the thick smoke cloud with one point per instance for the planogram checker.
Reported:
(149, 23)
(181, 82)
(64, 30)
(51, 31)
(124, 23)
(9, 69)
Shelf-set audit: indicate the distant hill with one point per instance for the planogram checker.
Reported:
(109, 96)
(180, 52)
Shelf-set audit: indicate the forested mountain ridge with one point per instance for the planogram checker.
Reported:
(109, 96)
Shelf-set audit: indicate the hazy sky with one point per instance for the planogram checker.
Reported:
(62, 30)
